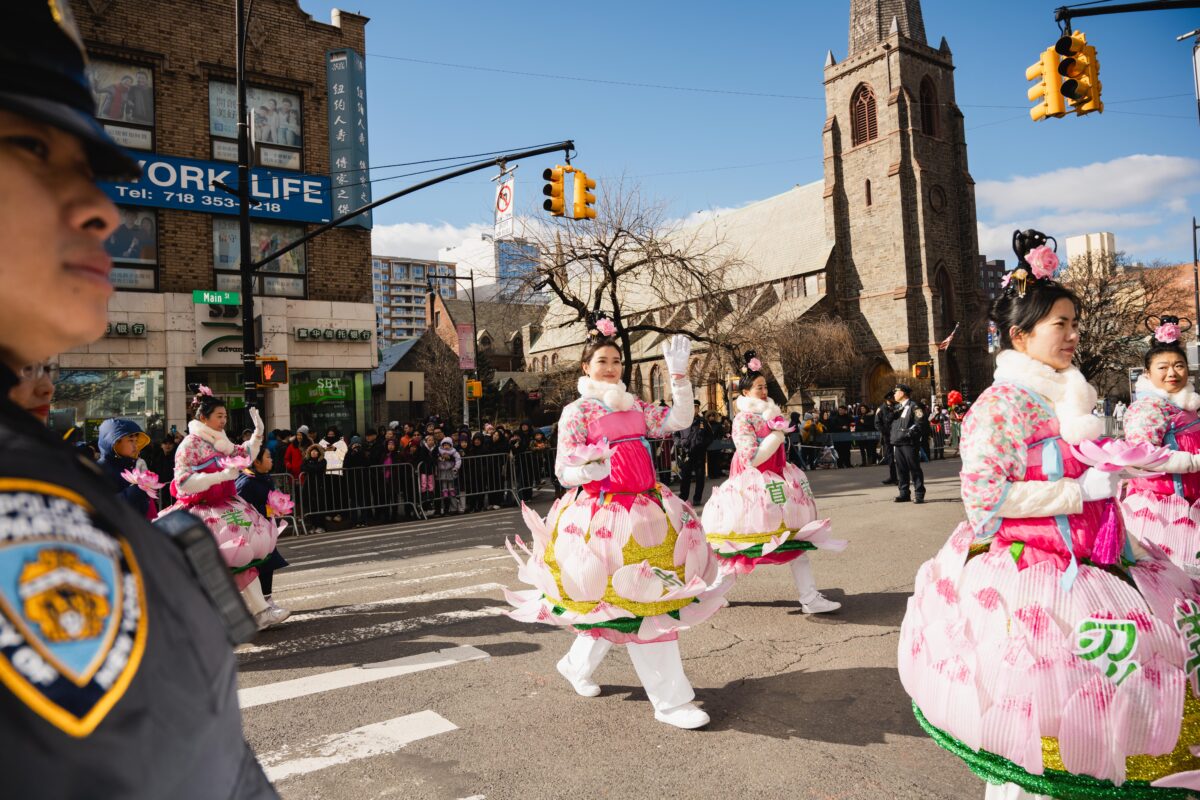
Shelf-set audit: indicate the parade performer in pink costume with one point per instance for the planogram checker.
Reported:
(1162, 508)
(620, 559)
(207, 466)
(1037, 646)
(764, 513)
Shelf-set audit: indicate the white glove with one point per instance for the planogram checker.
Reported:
(1098, 485)
(767, 447)
(1178, 464)
(676, 353)
(199, 481)
(255, 441)
(596, 470)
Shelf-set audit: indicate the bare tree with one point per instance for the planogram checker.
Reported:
(650, 275)
(1116, 296)
(443, 378)
(812, 350)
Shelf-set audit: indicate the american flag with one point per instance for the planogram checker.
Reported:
(944, 344)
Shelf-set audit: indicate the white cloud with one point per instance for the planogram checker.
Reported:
(703, 215)
(1107, 185)
(422, 239)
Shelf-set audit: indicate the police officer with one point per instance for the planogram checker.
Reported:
(907, 432)
(884, 415)
(117, 679)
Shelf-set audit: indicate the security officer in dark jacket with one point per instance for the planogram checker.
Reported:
(908, 431)
(883, 423)
(117, 679)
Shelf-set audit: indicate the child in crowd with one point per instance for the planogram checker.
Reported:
(448, 463)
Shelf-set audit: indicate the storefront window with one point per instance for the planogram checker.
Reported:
(124, 95)
(329, 398)
(275, 278)
(227, 385)
(83, 398)
(133, 248)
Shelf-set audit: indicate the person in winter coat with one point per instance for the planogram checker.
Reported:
(312, 478)
(447, 466)
(293, 456)
(121, 440)
(356, 477)
(254, 486)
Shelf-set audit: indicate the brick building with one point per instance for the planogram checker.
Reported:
(163, 76)
(887, 240)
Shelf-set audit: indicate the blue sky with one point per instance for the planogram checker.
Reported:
(1134, 169)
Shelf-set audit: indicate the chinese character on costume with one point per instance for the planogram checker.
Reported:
(1158, 504)
(619, 559)
(764, 513)
(207, 465)
(1038, 645)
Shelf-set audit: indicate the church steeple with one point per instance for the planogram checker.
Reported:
(871, 21)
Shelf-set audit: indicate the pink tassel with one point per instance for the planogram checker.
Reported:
(1108, 539)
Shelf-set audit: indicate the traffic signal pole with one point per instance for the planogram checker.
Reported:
(1064, 14)
(249, 366)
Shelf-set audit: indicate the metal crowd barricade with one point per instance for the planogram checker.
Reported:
(482, 481)
(662, 454)
(533, 471)
(284, 482)
(360, 492)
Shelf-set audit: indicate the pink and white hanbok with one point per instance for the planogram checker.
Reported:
(1036, 646)
(1164, 509)
(619, 560)
(205, 485)
(765, 512)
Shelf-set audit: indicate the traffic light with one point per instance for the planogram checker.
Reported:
(555, 202)
(921, 370)
(1081, 73)
(583, 196)
(1049, 89)
(272, 371)
(474, 390)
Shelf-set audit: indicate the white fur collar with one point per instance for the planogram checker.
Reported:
(612, 395)
(1068, 391)
(210, 435)
(1186, 398)
(767, 409)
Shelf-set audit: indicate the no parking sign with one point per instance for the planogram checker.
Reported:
(504, 209)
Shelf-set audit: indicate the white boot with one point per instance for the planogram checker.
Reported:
(811, 601)
(581, 661)
(265, 615)
(660, 669)
(1010, 791)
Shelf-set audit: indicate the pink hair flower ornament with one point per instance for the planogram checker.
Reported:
(1167, 333)
(606, 327)
(1043, 262)
(754, 364)
(204, 390)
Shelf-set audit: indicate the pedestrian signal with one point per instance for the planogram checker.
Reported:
(272, 371)
(922, 370)
(555, 202)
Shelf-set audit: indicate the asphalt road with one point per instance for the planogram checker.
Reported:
(398, 676)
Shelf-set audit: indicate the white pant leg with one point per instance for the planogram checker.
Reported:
(802, 574)
(660, 669)
(1010, 791)
(585, 655)
(253, 597)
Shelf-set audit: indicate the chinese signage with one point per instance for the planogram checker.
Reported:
(189, 184)
(332, 335)
(125, 329)
(346, 77)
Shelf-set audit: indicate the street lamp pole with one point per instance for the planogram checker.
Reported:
(249, 365)
(1195, 271)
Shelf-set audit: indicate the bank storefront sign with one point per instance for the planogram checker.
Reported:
(189, 184)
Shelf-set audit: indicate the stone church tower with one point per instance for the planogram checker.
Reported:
(900, 203)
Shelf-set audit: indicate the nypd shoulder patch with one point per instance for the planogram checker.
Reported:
(72, 607)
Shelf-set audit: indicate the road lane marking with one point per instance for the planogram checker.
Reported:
(445, 594)
(282, 586)
(354, 676)
(377, 539)
(339, 579)
(397, 549)
(332, 536)
(376, 739)
(402, 582)
(307, 644)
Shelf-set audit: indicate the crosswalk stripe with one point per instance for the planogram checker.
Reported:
(464, 540)
(376, 739)
(339, 579)
(445, 594)
(450, 533)
(391, 584)
(307, 644)
(353, 676)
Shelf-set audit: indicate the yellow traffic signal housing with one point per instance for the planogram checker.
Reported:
(920, 370)
(474, 390)
(1081, 73)
(555, 201)
(584, 199)
(1049, 89)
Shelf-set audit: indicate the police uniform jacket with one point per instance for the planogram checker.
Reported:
(116, 676)
(907, 424)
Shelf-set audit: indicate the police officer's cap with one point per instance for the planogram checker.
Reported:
(41, 76)
(904, 388)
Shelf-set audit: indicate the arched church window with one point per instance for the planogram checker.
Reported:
(863, 125)
(929, 107)
(945, 300)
